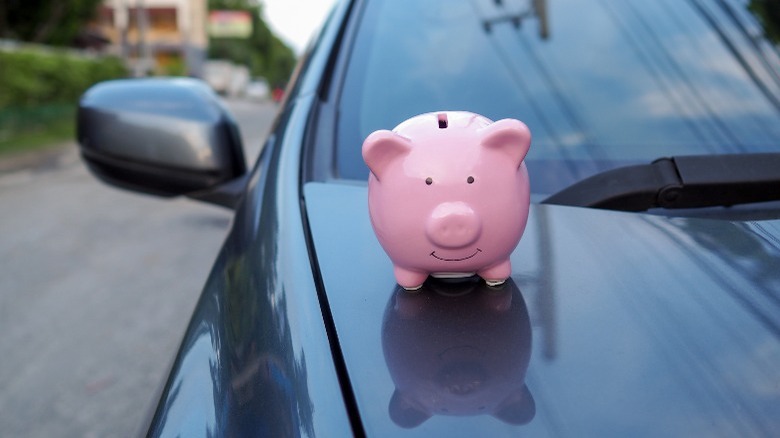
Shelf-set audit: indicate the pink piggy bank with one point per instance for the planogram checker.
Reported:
(449, 195)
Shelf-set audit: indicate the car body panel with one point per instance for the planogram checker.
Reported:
(642, 325)
(624, 324)
(256, 359)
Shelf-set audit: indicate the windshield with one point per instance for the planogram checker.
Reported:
(600, 84)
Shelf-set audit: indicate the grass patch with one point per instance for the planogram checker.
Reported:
(27, 129)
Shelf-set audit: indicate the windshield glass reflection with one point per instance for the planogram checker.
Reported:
(458, 348)
(601, 84)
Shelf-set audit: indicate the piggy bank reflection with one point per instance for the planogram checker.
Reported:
(448, 195)
(459, 348)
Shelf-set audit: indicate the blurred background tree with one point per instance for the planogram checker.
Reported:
(263, 52)
(41, 82)
(768, 13)
(50, 22)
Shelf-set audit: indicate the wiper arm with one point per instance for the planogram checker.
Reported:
(679, 182)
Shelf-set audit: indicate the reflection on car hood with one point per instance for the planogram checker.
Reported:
(640, 325)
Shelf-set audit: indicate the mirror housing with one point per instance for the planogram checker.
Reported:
(162, 136)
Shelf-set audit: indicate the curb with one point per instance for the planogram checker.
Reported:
(41, 159)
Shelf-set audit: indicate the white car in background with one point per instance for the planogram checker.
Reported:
(258, 89)
(226, 78)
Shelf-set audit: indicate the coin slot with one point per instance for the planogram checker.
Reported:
(442, 121)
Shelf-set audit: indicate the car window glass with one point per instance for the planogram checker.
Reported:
(601, 84)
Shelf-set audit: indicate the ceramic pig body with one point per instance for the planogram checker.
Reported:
(449, 195)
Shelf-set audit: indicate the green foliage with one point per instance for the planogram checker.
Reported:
(768, 14)
(263, 52)
(27, 128)
(51, 22)
(235, 5)
(41, 77)
(40, 90)
(173, 66)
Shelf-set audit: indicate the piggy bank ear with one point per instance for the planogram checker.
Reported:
(518, 408)
(382, 148)
(404, 413)
(509, 136)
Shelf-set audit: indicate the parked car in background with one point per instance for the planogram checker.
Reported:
(645, 294)
(226, 77)
(258, 89)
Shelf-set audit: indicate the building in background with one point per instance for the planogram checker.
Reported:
(157, 36)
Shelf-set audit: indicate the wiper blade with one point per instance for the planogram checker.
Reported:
(679, 182)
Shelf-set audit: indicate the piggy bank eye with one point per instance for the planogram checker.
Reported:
(429, 180)
(470, 180)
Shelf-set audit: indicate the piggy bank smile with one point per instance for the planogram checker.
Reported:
(452, 226)
(448, 195)
(459, 259)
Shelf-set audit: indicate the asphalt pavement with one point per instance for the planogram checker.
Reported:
(96, 288)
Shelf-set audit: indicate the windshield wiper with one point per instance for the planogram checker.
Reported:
(679, 182)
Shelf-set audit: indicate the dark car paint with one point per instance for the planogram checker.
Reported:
(163, 136)
(155, 120)
(672, 328)
(642, 325)
(256, 359)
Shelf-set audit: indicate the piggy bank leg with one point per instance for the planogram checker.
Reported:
(496, 274)
(409, 280)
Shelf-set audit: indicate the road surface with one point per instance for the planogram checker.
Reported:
(96, 288)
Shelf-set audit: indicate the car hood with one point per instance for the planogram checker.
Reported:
(612, 323)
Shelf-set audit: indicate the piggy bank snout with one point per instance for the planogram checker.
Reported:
(462, 378)
(453, 225)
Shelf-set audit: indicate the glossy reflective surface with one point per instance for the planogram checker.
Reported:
(600, 83)
(641, 325)
(458, 348)
(256, 359)
(179, 123)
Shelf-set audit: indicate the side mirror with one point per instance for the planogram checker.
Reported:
(162, 136)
